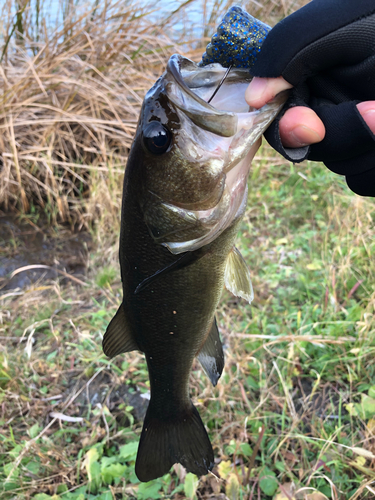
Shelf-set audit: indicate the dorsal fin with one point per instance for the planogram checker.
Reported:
(211, 356)
(237, 276)
(117, 338)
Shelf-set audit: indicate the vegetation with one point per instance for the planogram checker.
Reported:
(73, 80)
(70, 104)
(293, 416)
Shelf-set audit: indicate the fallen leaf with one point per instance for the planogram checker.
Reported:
(180, 471)
(360, 461)
(314, 266)
(286, 492)
(371, 425)
(224, 468)
(233, 487)
(281, 241)
(215, 484)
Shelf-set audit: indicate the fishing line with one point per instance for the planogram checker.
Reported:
(220, 84)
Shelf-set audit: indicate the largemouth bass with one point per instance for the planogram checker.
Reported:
(185, 191)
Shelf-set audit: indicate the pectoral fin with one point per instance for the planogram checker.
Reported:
(117, 338)
(211, 356)
(237, 276)
(167, 222)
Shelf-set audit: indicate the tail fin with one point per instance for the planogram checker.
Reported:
(182, 439)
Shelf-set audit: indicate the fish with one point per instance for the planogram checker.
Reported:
(184, 195)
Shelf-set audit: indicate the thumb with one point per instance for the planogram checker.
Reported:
(367, 110)
(300, 126)
(262, 90)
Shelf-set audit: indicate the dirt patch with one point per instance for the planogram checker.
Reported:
(106, 390)
(25, 245)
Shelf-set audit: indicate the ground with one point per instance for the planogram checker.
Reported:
(293, 415)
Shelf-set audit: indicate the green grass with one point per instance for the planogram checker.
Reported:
(295, 407)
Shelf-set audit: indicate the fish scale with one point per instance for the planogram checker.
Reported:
(177, 246)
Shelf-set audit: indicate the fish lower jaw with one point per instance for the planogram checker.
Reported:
(237, 174)
(245, 121)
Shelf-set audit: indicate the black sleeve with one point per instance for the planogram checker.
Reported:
(327, 51)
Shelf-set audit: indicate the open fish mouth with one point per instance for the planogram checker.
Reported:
(192, 86)
(220, 137)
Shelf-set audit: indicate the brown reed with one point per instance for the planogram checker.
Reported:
(71, 94)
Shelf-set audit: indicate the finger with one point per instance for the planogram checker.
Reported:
(300, 126)
(367, 110)
(262, 90)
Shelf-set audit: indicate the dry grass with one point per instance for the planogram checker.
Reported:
(72, 94)
(296, 403)
(296, 400)
(72, 108)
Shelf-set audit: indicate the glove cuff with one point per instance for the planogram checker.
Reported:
(295, 155)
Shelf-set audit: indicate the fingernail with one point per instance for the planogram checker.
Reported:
(369, 117)
(304, 136)
(255, 91)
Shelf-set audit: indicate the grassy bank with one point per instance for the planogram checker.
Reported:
(293, 416)
(71, 97)
(73, 79)
(299, 369)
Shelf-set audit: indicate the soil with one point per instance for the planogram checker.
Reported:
(105, 390)
(23, 244)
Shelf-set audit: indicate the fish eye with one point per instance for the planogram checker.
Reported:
(157, 138)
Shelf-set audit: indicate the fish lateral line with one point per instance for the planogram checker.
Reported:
(186, 259)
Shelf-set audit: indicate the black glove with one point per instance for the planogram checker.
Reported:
(327, 51)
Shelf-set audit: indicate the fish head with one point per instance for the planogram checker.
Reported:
(196, 154)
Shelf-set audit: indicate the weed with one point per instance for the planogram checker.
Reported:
(295, 407)
(293, 414)
(72, 90)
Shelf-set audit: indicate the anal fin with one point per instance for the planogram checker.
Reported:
(211, 356)
(237, 276)
(117, 338)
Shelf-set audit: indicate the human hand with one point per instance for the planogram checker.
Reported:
(300, 125)
(326, 51)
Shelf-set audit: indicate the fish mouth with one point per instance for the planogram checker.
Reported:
(232, 125)
(189, 88)
(226, 130)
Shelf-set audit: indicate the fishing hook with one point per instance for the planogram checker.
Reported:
(220, 84)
